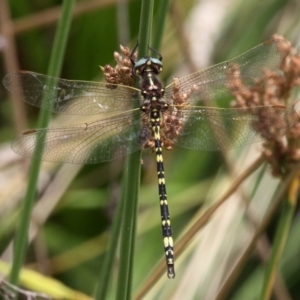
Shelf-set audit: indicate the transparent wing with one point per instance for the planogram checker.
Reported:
(88, 143)
(212, 83)
(70, 96)
(212, 129)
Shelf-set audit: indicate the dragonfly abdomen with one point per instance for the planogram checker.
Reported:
(164, 210)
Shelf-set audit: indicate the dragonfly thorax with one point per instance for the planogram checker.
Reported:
(151, 87)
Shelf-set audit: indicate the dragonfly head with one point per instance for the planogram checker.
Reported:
(146, 65)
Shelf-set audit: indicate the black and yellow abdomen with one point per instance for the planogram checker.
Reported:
(164, 210)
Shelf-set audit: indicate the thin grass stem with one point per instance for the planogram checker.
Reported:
(131, 180)
(55, 65)
(283, 229)
(163, 9)
(225, 289)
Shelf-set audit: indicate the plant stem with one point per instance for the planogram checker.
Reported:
(132, 180)
(280, 238)
(21, 239)
(159, 23)
(107, 266)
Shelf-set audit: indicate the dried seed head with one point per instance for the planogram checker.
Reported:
(180, 99)
(274, 90)
(122, 72)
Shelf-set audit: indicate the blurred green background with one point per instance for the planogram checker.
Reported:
(70, 245)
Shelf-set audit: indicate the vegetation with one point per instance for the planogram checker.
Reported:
(227, 209)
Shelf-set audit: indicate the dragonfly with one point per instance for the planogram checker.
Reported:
(150, 116)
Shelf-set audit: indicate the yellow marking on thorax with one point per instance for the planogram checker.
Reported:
(151, 82)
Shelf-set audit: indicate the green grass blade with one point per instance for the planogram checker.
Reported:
(285, 222)
(132, 180)
(20, 244)
(145, 27)
(160, 23)
(107, 266)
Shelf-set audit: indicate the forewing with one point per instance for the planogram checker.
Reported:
(213, 129)
(88, 143)
(212, 84)
(70, 96)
